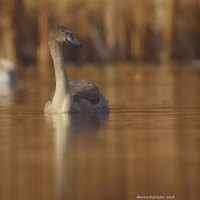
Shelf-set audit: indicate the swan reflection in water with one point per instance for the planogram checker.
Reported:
(65, 126)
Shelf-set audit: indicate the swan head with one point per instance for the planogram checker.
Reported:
(62, 34)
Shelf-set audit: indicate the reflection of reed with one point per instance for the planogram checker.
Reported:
(65, 125)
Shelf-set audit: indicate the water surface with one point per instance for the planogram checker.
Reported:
(148, 145)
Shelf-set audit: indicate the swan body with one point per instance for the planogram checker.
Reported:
(68, 97)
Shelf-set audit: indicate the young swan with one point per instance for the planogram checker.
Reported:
(81, 96)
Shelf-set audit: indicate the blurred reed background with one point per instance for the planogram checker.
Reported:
(110, 30)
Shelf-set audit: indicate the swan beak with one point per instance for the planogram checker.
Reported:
(73, 40)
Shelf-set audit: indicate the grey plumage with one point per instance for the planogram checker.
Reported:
(81, 96)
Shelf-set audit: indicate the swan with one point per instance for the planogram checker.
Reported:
(69, 97)
(7, 77)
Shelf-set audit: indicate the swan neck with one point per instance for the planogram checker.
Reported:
(62, 82)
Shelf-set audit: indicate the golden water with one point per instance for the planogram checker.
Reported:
(147, 147)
